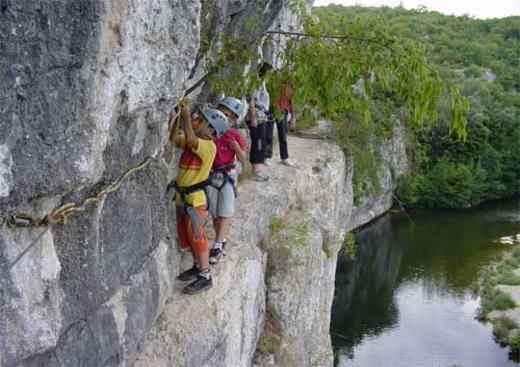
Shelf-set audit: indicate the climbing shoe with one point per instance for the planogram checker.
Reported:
(259, 177)
(189, 274)
(202, 282)
(287, 162)
(216, 252)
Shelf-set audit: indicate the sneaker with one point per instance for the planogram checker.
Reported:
(202, 282)
(259, 177)
(216, 252)
(267, 162)
(287, 162)
(189, 274)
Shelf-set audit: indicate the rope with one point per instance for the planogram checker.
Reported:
(60, 214)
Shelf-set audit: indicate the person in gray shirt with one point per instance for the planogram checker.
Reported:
(256, 120)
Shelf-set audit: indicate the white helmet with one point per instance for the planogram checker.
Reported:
(216, 119)
(233, 104)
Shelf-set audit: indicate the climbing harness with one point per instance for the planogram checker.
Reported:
(219, 176)
(183, 191)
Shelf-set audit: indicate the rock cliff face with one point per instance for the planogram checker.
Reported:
(273, 291)
(85, 92)
(271, 302)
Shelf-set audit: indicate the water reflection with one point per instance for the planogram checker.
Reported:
(408, 298)
(376, 268)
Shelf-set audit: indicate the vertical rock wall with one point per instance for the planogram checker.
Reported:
(393, 163)
(272, 294)
(85, 94)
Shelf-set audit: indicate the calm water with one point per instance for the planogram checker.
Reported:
(408, 299)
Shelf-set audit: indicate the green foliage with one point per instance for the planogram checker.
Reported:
(228, 66)
(349, 245)
(409, 190)
(284, 238)
(505, 275)
(498, 300)
(464, 51)
(281, 230)
(334, 76)
(516, 254)
(502, 273)
(446, 185)
(356, 140)
(501, 329)
(340, 76)
(514, 343)
(473, 72)
(505, 330)
(490, 153)
(394, 65)
(459, 41)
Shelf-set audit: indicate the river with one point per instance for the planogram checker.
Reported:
(409, 297)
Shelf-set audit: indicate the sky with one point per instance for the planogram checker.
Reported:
(477, 8)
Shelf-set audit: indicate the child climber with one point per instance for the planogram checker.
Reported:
(194, 167)
(221, 191)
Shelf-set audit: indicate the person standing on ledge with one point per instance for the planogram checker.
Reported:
(192, 176)
(221, 192)
(256, 118)
(282, 124)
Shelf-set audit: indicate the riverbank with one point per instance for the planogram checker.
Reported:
(500, 297)
(410, 295)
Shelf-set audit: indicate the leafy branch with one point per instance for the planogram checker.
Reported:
(335, 72)
(329, 36)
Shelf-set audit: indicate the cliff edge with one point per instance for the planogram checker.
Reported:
(86, 90)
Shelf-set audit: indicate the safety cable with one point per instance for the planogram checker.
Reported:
(60, 214)
(22, 254)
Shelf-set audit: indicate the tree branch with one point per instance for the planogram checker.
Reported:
(301, 34)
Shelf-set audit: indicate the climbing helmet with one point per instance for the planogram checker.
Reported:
(233, 104)
(216, 119)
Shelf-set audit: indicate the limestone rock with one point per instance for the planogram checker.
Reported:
(86, 91)
(260, 283)
(394, 163)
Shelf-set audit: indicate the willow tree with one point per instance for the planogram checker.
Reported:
(325, 62)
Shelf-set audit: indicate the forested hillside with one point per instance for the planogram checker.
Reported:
(482, 59)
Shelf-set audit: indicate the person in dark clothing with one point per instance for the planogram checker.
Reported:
(256, 119)
(282, 124)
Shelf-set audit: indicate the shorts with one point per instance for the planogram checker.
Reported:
(221, 203)
(187, 236)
